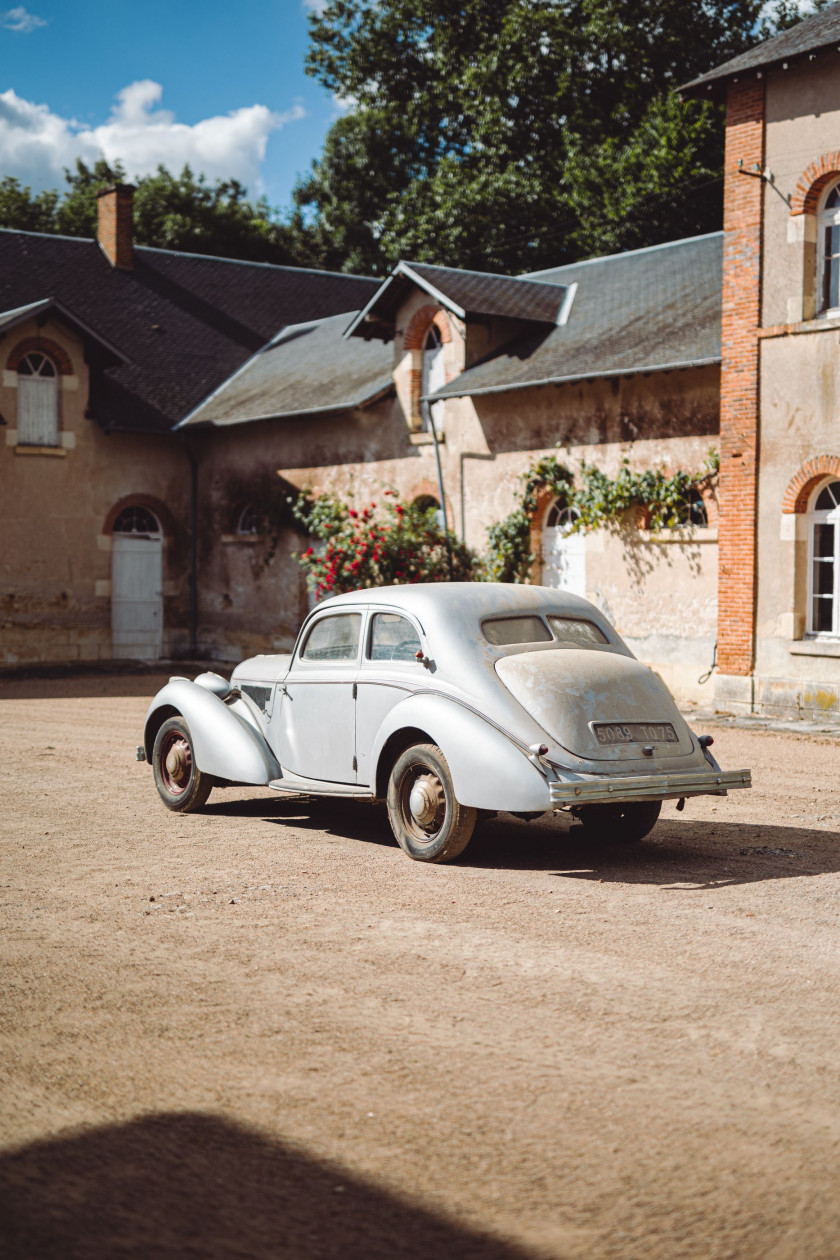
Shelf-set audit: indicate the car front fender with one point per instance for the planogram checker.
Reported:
(489, 769)
(225, 744)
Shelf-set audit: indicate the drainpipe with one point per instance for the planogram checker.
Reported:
(440, 488)
(193, 462)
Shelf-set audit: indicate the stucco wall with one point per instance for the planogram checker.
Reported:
(55, 562)
(661, 593)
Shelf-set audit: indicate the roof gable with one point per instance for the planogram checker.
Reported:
(464, 293)
(820, 31)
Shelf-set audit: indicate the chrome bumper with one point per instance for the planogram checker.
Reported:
(648, 787)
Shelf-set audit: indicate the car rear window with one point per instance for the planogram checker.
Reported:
(502, 631)
(573, 630)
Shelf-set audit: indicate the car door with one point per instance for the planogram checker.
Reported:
(389, 672)
(316, 730)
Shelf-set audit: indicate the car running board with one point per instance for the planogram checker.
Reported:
(318, 787)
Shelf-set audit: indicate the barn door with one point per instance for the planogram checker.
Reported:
(137, 593)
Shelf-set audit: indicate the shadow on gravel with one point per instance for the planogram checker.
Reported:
(186, 1184)
(681, 853)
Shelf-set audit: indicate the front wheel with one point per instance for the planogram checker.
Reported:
(180, 783)
(619, 824)
(430, 825)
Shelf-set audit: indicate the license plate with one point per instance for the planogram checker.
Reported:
(634, 733)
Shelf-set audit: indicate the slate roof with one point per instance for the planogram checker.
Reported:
(462, 292)
(813, 34)
(647, 310)
(182, 323)
(309, 368)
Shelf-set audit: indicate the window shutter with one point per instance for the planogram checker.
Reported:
(37, 411)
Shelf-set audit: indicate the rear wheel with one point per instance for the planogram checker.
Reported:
(430, 825)
(180, 783)
(619, 824)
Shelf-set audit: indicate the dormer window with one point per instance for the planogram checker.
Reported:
(37, 401)
(828, 279)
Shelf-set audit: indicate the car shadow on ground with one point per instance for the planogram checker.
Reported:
(684, 853)
(189, 1184)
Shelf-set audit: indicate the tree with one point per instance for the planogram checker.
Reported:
(182, 212)
(514, 134)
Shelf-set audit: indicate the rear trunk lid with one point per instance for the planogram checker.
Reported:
(599, 705)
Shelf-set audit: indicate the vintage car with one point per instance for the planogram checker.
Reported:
(450, 701)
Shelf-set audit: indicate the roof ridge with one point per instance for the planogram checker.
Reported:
(247, 262)
(51, 236)
(627, 253)
(469, 271)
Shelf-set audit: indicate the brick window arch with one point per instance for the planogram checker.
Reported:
(813, 181)
(419, 324)
(148, 501)
(40, 345)
(802, 485)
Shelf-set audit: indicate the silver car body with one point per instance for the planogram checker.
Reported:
(525, 727)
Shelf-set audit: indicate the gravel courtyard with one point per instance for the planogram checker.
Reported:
(261, 1031)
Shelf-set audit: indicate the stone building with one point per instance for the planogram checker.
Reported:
(613, 357)
(170, 394)
(779, 584)
(104, 347)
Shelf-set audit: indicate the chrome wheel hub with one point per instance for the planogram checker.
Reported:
(426, 799)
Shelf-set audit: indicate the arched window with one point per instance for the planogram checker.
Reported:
(560, 517)
(434, 378)
(828, 252)
(250, 521)
(37, 401)
(824, 560)
(137, 520)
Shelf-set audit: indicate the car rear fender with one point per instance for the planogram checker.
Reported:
(226, 744)
(490, 770)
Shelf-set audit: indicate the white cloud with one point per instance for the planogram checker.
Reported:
(315, 6)
(35, 143)
(19, 20)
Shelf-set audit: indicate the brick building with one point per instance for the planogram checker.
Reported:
(779, 582)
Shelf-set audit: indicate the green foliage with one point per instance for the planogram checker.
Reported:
(514, 134)
(182, 212)
(378, 545)
(599, 502)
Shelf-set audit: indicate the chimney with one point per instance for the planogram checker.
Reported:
(115, 228)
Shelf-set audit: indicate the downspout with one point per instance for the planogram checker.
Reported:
(433, 431)
(193, 462)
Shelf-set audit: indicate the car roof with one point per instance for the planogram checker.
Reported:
(474, 600)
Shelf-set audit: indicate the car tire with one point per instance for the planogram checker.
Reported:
(433, 826)
(181, 785)
(619, 824)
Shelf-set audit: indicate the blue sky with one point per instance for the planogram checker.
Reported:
(219, 85)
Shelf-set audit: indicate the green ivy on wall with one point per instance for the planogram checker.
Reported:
(598, 501)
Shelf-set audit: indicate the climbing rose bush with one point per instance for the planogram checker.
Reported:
(381, 544)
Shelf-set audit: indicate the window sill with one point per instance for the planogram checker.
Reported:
(815, 647)
(425, 439)
(681, 537)
(242, 540)
(830, 322)
(55, 451)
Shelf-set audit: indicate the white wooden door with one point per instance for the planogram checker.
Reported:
(564, 560)
(137, 596)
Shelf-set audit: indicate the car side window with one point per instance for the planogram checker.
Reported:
(333, 638)
(392, 638)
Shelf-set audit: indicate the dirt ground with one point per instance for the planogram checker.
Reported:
(262, 1031)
